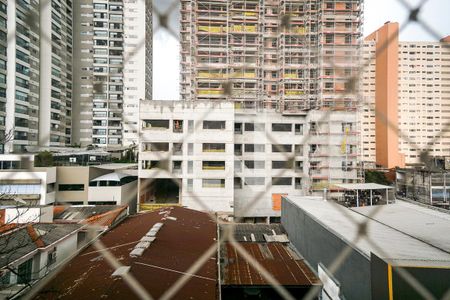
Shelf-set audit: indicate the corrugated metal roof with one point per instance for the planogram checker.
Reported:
(397, 241)
(178, 245)
(362, 186)
(277, 258)
(254, 232)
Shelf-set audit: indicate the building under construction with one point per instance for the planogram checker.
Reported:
(290, 55)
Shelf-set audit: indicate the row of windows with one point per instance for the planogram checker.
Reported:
(249, 181)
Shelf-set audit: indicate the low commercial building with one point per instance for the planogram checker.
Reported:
(216, 156)
(21, 181)
(426, 186)
(74, 185)
(395, 236)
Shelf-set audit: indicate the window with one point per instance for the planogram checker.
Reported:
(190, 184)
(281, 127)
(70, 187)
(255, 164)
(24, 272)
(213, 147)
(298, 183)
(281, 181)
(299, 129)
(51, 257)
(190, 148)
(159, 147)
(237, 149)
(214, 125)
(213, 165)
(282, 164)
(237, 183)
(254, 148)
(177, 149)
(254, 180)
(213, 183)
(299, 150)
(254, 126)
(178, 126)
(238, 128)
(190, 126)
(159, 124)
(281, 148)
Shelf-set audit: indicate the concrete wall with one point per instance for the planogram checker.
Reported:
(319, 244)
(76, 175)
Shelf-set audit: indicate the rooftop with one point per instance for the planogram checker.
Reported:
(406, 233)
(362, 186)
(181, 240)
(279, 258)
(28, 238)
(100, 215)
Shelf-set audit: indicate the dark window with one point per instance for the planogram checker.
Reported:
(282, 164)
(254, 126)
(213, 124)
(24, 272)
(254, 148)
(281, 181)
(281, 127)
(281, 148)
(255, 164)
(71, 187)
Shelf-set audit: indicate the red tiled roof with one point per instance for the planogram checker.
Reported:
(178, 244)
(105, 219)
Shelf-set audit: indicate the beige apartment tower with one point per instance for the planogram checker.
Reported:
(407, 99)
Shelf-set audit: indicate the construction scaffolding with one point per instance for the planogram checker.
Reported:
(289, 55)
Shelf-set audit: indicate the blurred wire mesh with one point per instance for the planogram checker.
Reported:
(166, 19)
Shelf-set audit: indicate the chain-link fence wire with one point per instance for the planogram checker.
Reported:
(163, 17)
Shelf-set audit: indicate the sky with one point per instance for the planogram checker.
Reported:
(166, 49)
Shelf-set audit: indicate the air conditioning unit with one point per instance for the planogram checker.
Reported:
(72, 159)
(92, 158)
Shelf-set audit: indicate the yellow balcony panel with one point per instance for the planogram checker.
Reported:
(210, 92)
(293, 93)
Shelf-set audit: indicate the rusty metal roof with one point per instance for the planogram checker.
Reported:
(278, 259)
(178, 244)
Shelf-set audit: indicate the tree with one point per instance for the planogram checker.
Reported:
(373, 176)
(43, 159)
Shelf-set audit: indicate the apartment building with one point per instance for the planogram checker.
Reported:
(216, 156)
(408, 85)
(284, 54)
(113, 50)
(35, 73)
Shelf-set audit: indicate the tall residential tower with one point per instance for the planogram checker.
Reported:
(113, 48)
(35, 73)
(286, 54)
(407, 98)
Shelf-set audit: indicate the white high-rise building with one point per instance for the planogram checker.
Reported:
(35, 73)
(113, 51)
(214, 156)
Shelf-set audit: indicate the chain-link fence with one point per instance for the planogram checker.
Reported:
(164, 14)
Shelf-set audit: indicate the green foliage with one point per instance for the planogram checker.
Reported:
(376, 177)
(43, 159)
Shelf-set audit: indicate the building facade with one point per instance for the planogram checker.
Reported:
(407, 83)
(113, 46)
(283, 54)
(218, 157)
(35, 73)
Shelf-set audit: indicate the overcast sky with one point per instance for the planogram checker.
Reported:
(166, 53)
